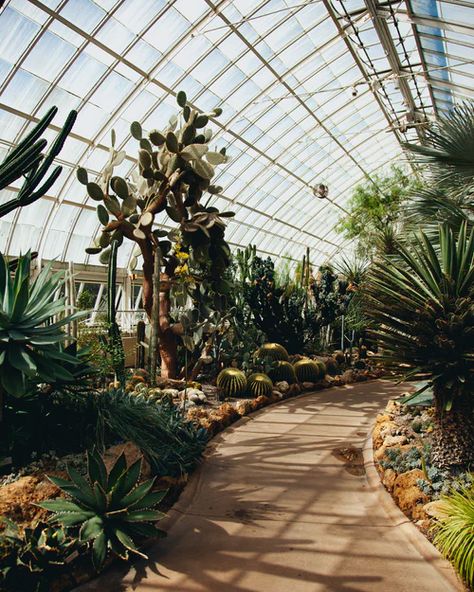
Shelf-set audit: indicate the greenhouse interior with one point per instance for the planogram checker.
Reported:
(236, 295)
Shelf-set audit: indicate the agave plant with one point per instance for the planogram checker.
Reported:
(31, 559)
(110, 509)
(422, 304)
(30, 337)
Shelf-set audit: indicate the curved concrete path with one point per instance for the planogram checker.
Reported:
(275, 509)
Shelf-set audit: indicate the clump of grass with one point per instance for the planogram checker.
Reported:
(454, 532)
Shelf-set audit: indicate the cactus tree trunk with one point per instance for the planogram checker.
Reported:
(167, 334)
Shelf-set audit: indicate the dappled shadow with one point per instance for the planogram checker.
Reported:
(276, 509)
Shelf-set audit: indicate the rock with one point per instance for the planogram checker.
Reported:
(348, 377)
(277, 394)
(170, 392)
(436, 509)
(389, 478)
(195, 395)
(384, 427)
(409, 497)
(244, 407)
(262, 401)
(282, 386)
(132, 453)
(392, 407)
(394, 441)
(294, 389)
(18, 499)
(308, 386)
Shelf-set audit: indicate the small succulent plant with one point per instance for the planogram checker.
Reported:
(110, 509)
(282, 371)
(260, 384)
(274, 351)
(232, 382)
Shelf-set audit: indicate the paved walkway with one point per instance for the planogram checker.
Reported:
(275, 508)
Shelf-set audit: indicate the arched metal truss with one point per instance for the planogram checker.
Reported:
(312, 91)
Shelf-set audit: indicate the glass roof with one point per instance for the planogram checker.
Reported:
(314, 91)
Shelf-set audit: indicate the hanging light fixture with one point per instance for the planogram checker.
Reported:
(321, 191)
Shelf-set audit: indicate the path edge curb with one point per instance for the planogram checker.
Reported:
(425, 548)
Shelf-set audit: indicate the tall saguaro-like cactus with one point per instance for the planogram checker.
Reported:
(27, 160)
(115, 338)
(174, 171)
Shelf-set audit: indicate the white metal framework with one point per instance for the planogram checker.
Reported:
(313, 91)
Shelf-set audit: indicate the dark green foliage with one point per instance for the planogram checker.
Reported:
(31, 560)
(260, 384)
(376, 207)
(278, 312)
(28, 161)
(115, 337)
(422, 303)
(331, 296)
(232, 382)
(282, 371)
(423, 306)
(171, 444)
(111, 510)
(30, 339)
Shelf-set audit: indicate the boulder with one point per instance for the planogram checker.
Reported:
(409, 497)
(308, 386)
(389, 478)
(436, 509)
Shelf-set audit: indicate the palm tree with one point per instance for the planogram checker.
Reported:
(421, 302)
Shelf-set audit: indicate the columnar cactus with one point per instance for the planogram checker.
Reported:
(174, 170)
(27, 160)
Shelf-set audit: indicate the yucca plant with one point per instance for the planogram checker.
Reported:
(30, 333)
(454, 530)
(421, 302)
(110, 509)
(449, 149)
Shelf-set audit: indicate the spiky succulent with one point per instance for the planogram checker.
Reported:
(30, 337)
(307, 370)
(274, 351)
(282, 370)
(110, 509)
(454, 531)
(322, 368)
(260, 384)
(31, 559)
(232, 382)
